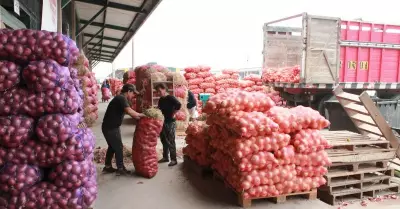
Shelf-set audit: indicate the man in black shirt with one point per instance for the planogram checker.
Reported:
(168, 105)
(191, 105)
(111, 128)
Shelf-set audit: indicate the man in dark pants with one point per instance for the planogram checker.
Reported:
(168, 105)
(192, 105)
(111, 128)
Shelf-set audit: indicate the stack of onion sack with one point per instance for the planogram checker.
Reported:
(88, 83)
(130, 78)
(144, 153)
(282, 75)
(115, 85)
(254, 82)
(229, 79)
(254, 154)
(105, 93)
(200, 80)
(197, 140)
(182, 116)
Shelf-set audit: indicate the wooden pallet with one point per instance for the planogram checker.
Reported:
(203, 171)
(351, 148)
(246, 203)
(354, 193)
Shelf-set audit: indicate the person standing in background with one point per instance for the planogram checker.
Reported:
(168, 105)
(192, 106)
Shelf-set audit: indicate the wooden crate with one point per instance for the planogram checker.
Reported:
(246, 203)
(203, 171)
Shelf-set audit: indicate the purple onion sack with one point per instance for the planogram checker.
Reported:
(72, 174)
(9, 75)
(57, 100)
(14, 178)
(45, 75)
(24, 45)
(15, 130)
(8, 201)
(81, 145)
(57, 128)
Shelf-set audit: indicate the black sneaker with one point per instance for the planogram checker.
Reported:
(172, 163)
(109, 170)
(123, 172)
(163, 160)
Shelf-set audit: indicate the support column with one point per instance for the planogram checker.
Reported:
(73, 20)
(133, 54)
(113, 69)
(59, 17)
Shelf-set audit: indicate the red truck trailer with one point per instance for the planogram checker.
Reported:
(356, 55)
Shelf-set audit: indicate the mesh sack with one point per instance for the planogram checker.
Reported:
(57, 128)
(31, 45)
(15, 130)
(45, 75)
(72, 174)
(9, 75)
(195, 81)
(158, 76)
(144, 153)
(57, 100)
(14, 178)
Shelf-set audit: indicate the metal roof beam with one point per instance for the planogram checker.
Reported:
(104, 24)
(91, 20)
(102, 55)
(129, 28)
(98, 32)
(105, 37)
(115, 5)
(64, 3)
(97, 24)
(104, 45)
(94, 46)
(104, 51)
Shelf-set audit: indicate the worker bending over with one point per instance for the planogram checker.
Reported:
(168, 105)
(111, 128)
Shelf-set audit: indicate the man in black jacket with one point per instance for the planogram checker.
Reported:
(111, 128)
(168, 105)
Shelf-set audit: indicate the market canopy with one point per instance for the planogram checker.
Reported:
(108, 25)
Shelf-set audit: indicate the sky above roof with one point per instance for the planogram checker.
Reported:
(228, 33)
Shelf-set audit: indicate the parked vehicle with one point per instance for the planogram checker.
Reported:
(356, 55)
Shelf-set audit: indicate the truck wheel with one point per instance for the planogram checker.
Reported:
(321, 105)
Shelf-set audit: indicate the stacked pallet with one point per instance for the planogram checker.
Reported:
(359, 167)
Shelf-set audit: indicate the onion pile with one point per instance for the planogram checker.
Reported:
(258, 155)
(9, 75)
(14, 178)
(46, 75)
(200, 80)
(31, 45)
(15, 130)
(12, 101)
(144, 153)
(197, 141)
(283, 75)
(116, 86)
(130, 78)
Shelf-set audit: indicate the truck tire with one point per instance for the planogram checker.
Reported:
(321, 104)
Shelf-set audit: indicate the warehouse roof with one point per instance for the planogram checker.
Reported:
(108, 25)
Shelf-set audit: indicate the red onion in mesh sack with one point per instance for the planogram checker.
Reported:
(84, 196)
(8, 201)
(46, 74)
(81, 145)
(144, 153)
(30, 45)
(9, 75)
(14, 130)
(72, 174)
(13, 178)
(12, 101)
(57, 100)
(56, 128)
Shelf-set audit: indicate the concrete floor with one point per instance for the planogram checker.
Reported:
(177, 188)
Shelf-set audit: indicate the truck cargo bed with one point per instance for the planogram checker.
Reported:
(330, 51)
